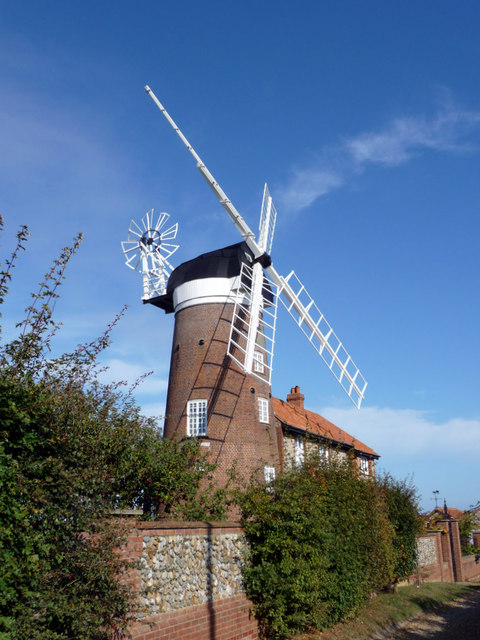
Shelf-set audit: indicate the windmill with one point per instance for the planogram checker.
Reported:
(258, 280)
(147, 250)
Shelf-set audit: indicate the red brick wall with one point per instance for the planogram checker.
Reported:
(471, 568)
(447, 566)
(204, 371)
(435, 569)
(228, 619)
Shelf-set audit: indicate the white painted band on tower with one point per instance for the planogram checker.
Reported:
(205, 291)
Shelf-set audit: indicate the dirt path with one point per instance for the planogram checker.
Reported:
(456, 621)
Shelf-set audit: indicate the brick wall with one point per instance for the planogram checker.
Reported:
(222, 620)
(430, 559)
(471, 568)
(440, 559)
(188, 580)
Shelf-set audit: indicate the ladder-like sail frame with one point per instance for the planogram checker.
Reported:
(339, 362)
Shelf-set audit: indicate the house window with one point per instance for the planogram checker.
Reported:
(258, 362)
(364, 468)
(299, 451)
(323, 452)
(197, 418)
(263, 410)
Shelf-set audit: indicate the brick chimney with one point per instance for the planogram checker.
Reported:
(296, 398)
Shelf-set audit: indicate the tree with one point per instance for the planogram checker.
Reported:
(71, 450)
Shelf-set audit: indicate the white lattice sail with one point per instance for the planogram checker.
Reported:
(238, 345)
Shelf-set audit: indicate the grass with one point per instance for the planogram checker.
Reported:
(386, 610)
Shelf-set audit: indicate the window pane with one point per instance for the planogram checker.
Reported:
(263, 409)
(299, 451)
(269, 473)
(258, 362)
(197, 418)
(364, 465)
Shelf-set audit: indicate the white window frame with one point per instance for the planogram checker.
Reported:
(196, 418)
(269, 474)
(299, 451)
(258, 362)
(323, 451)
(364, 466)
(263, 413)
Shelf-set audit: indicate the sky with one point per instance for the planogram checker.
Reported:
(364, 120)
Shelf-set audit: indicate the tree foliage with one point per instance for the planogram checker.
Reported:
(402, 508)
(321, 540)
(71, 450)
(466, 525)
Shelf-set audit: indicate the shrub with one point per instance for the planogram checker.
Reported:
(402, 509)
(320, 541)
(71, 450)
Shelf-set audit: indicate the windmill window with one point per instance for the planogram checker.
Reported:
(258, 362)
(299, 451)
(269, 474)
(197, 418)
(263, 410)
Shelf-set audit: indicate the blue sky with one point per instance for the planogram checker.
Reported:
(364, 119)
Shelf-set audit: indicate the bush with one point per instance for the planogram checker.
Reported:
(320, 542)
(71, 450)
(402, 508)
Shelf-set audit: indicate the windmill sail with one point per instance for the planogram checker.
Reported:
(312, 322)
(245, 341)
(307, 315)
(257, 295)
(268, 217)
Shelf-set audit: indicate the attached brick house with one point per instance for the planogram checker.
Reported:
(300, 431)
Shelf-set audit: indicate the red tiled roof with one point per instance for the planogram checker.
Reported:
(316, 424)
(454, 513)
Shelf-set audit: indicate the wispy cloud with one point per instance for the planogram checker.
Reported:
(396, 143)
(307, 185)
(404, 136)
(408, 432)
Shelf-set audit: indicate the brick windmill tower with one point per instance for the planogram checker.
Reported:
(225, 304)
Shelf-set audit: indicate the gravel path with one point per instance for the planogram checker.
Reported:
(456, 621)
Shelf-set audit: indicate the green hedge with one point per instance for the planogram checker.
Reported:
(320, 542)
(71, 451)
